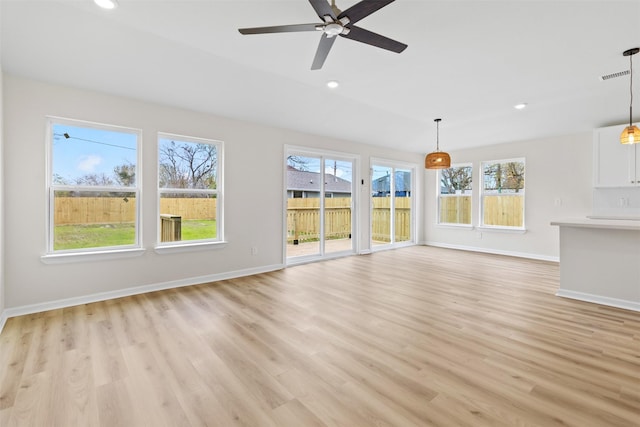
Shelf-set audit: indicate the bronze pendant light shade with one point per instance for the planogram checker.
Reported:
(630, 134)
(438, 159)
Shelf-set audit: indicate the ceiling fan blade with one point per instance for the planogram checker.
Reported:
(363, 9)
(279, 29)
(323, 8)
(368, 37)
(323, 50)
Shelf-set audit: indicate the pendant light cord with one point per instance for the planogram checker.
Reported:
(437, 134)
(631, 90)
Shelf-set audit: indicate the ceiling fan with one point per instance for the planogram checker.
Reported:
(337, 23)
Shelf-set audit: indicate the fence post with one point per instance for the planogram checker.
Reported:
(295, 227)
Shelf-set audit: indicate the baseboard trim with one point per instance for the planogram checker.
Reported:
(494, 251)
(103, 296)
(598, 299)
(3, 319)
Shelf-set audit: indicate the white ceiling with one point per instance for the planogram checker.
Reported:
(468, 62)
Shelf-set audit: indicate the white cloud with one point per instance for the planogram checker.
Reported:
(89, 163)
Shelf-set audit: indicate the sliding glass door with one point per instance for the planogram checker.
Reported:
(319, 218)
(392, 204)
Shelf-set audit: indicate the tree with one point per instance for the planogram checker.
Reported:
(94, 179)
(125, 175)
(455, 178)
(504, 176)
(297, 162)
(187, 165)
(514, 175)
(59, 179)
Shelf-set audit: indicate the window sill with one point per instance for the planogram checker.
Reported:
(69, 257)
(189, 247)
(456, 226)
(509, 230)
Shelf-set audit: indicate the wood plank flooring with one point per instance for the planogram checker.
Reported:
(417, 336)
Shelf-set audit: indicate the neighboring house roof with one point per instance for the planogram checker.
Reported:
(298, 180)
(402, 182)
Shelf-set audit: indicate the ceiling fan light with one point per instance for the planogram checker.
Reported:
(437, 160)
(630, 135)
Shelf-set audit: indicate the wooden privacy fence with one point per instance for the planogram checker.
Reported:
(455, 209)
(303, 219)
(381, 219)
(504, 210)
(498, 210)
(115, 210)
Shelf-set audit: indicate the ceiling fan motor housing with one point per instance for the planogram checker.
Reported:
(334, 29)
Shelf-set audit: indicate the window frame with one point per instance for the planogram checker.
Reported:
(439, 221)
(482, 194)
(182, 245)
(65, 255)
(394, 166)
(322, 156)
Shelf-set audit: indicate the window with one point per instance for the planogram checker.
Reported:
(454, 195)
(189, 177)
(93, 187)
(502, 201)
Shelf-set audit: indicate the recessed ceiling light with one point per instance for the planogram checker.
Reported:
(106, 4)
(521, 106)
(332, 84)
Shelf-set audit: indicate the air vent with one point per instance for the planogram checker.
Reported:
(614, 75)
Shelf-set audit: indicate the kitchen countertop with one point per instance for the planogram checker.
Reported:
(619, 224)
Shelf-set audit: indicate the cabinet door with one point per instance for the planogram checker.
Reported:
(614, 164)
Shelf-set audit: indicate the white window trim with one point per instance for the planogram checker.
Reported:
(395, 165)
(501, 228)
(192, 245)
(90, 254)
(198, 245)
(454, 225)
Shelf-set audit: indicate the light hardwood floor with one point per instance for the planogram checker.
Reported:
(417, 336)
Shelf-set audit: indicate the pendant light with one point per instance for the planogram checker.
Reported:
(438, 159)
(630, 134)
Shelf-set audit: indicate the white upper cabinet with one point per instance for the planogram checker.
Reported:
(614, 164)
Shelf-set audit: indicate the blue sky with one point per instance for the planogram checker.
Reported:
(90, 151)
(96, 151)
(343, 169)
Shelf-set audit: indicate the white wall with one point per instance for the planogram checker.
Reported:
(616, 202)
(557, 168)
(253, 195)
(2, 298)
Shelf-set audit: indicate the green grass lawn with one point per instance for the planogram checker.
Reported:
(198, 229)
(104, 235)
